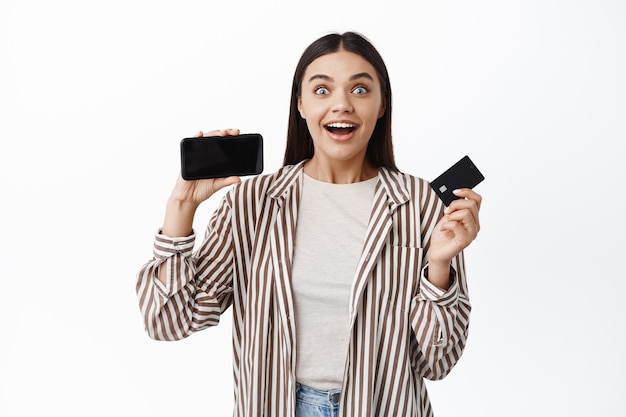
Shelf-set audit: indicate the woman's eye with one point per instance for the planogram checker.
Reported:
(321, 91)
(360, 90)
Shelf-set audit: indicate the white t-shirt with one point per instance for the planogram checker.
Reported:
(332, 222)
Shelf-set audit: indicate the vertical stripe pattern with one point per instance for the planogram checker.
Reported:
(403, 329)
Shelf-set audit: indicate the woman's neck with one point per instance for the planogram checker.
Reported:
(339, 172)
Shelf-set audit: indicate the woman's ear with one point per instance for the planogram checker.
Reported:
(300, 108)
(383, 107)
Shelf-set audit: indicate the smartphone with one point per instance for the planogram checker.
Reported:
(221, 156)
(463, 174)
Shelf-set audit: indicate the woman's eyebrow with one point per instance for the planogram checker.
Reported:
(320, 77)
(330, 79)
(362, 75)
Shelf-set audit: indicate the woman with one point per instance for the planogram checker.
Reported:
(345, 276)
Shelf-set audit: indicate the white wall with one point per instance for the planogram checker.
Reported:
(95, 96)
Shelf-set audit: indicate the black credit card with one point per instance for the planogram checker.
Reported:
(463, 174)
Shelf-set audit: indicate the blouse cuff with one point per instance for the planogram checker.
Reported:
(165, 246)
(431, 292)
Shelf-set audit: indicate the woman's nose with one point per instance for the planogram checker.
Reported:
(342, 103)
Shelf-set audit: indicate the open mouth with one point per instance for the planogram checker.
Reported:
(340, 128)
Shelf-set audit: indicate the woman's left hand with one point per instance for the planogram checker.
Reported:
(457, 228)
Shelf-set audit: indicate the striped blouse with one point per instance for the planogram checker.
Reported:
(403, 328)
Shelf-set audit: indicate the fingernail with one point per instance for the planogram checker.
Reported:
(457, 191)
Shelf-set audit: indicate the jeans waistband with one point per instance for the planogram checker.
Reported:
(314, 396)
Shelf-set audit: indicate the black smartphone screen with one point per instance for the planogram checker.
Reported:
(221, 156)
(463, 174)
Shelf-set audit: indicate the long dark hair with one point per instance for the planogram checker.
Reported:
(299, 142)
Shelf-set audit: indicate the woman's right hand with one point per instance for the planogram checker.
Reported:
(187, 196)
(195, 192)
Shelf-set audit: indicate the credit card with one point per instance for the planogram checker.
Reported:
(463, 174)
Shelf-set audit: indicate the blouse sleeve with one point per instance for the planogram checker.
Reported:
(198, 287)
(439, 318)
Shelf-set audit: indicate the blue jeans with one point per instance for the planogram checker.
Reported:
(314, 403)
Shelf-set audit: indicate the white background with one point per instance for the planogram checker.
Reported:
(95, 96)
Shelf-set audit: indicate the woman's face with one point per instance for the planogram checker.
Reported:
(341, 102)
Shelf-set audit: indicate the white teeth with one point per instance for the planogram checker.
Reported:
(340, 125)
